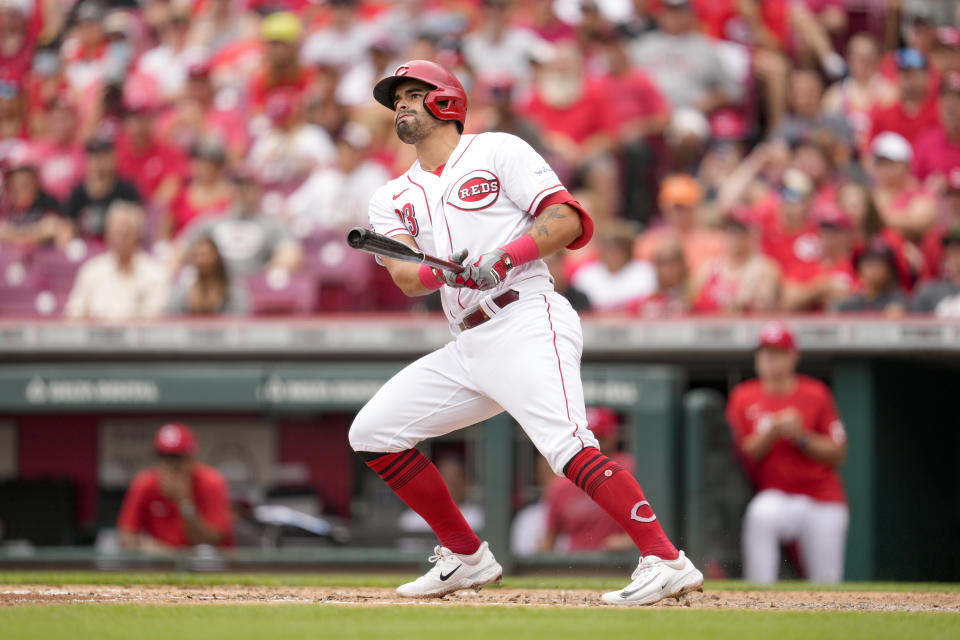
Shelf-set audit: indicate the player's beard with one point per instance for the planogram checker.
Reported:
(413, 129)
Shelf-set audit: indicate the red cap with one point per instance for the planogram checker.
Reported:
(175, 439)
(949, 36)
(777, 335)
(603, 421)
(829, 214)
(728, 125)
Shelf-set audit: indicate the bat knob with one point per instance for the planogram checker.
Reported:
(356, 237)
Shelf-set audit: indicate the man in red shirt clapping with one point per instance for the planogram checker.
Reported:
(179, 502)
(787, 430)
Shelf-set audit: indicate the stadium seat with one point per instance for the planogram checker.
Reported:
(59, 267)
(343, 276)
(277, 292)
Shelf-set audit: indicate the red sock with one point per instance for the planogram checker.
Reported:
(617, 492)
(418, 483)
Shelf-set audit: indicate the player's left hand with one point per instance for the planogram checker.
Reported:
(490, 270)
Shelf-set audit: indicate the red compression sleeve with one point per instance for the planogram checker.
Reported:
(428, 278)
(522, 250)
(564, 197)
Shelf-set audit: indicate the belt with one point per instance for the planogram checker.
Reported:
(480, 316)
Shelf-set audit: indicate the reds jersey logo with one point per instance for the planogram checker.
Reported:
(408, 219)
(477, 190)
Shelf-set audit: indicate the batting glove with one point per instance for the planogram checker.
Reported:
(456, 280)
(486, 273)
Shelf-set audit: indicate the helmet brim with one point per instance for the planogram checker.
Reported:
(383, 91)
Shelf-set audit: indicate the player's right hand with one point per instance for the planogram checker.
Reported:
(456, 280)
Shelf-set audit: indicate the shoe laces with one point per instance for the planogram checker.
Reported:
(440, 554)
(645, 567)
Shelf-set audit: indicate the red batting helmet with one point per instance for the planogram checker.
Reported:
(446, 87)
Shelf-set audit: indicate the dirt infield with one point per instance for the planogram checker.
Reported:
(23, 595)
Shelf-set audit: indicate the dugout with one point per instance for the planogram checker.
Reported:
(63, 385)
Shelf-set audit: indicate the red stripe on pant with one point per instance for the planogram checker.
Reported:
(421, 487)
(618, 493)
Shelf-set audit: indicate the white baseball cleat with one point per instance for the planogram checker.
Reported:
(655, 579)
(453, 572)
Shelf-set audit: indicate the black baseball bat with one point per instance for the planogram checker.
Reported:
(381, 245)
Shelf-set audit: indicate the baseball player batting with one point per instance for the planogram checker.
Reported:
(492, 204)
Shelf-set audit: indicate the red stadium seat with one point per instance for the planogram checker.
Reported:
(278, 292)
(343, 275)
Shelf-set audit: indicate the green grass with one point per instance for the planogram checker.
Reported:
(559, 581)
(292, 622)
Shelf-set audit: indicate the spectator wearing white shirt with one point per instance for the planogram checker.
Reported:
(615, 279)
(124, 282)
(167, 63)
(343, 42)
(498, 49)
(289, 150)
(338, 196)
(685, 64)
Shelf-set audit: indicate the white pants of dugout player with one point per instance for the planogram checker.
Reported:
(819, 528)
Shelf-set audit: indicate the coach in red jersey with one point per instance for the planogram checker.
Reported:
(787, 429)
(179, 502)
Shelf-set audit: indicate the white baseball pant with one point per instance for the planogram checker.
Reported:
(775, 517)
(525, 359)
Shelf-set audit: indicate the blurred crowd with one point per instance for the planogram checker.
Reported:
(207, 156)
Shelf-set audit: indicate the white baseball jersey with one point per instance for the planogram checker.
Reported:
(526, 358)
(485, 196)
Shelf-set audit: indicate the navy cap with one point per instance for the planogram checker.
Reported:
(910, 59)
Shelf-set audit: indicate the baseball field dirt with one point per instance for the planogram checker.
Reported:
(32, 594)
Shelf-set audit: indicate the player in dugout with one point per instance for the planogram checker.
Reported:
(792, 441)
(177, 503)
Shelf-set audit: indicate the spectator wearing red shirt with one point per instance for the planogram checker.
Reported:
(904, 205)
(932, 246)
(832, 276)
(574, 522)
(790, 236)
(792, 441)
(155, 167)
(643, 115)
(916, 111)
(573, 111)
(179, 502)
(938, 149)
(85, 51)
(865, 88)
(18, 39)
(281, 33)
(60, 155)
(207, 191)
(579, 124)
